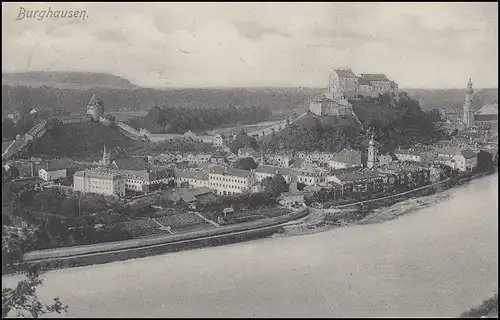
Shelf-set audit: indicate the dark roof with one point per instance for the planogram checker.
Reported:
(486, 117)
(345, 73)
(374, 76)
(60, 164)
(348, 156)
(132, 163)
(272, 170)
(191, 174)
(231, 172)
(94, 101)
(357, 175)
(468, 154)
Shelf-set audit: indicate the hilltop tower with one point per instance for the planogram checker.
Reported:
(372, 153)
(95, 108)
(468, 118)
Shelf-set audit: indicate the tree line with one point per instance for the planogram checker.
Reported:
(179, 120)
(403, 125)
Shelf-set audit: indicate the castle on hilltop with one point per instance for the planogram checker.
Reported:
(344, 85)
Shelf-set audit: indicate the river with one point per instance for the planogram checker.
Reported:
(438, 261)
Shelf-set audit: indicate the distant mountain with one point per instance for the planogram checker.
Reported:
(451, 98)
(67, 80)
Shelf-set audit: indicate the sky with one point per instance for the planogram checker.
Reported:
(418, 45)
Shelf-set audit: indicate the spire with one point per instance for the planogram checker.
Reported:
(469, 86)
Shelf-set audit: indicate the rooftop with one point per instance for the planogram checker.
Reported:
(231, 172)
(468, 154)
(191, 174)
(94, 101)
(345, 73)
(348, 156)
(272, 170)
(60, 164)
(131, 163)
(374, 76)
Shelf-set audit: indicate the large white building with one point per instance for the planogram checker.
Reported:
(99, 181)
(230, 181)
(194, 179)
(264, 171)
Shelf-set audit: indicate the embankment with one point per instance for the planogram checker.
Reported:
(137, 248)
(374, 210)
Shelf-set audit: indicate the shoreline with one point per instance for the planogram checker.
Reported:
(316, 221)
(380, 214)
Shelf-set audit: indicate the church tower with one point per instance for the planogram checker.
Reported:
(468, 118)
(105, 157)
(372, 153)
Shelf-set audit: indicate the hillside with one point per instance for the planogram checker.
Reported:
(402, 125)
(82, 141)
(143, 99)
(451, 98)
(73, 80)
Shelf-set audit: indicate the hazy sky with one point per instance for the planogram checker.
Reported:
(426, 45)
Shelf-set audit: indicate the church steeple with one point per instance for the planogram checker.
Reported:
(372, 152)
(105, 157)
(468, 117)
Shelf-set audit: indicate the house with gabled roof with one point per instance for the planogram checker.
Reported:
(347, 158)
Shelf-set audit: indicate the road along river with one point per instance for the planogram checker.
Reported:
(438, 261)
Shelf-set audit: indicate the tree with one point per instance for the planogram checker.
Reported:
(8, 129)
(275, 185)
(23, 299)
(245, 163)
(242, 140)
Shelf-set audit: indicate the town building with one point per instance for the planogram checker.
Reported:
(309, 174)
(265, 171)
(218, 140)
(246, 152)
(359, 181)
(457, 157)
(282, 159)
(291, 198)
(191, 178)
(56, 169)
(347, 158)
(228, 181)
(100, 182)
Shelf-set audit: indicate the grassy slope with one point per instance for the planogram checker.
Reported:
(82, 141)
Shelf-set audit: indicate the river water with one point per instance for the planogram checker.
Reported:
(437, 261)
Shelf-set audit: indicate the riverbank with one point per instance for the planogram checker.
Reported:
(321, 220)
(438, 262)
(142, 247)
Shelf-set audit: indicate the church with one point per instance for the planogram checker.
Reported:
(485, 118)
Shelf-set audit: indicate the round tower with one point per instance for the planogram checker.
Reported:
(95, 108)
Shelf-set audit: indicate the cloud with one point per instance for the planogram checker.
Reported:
(255, 31)
(258, 44)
